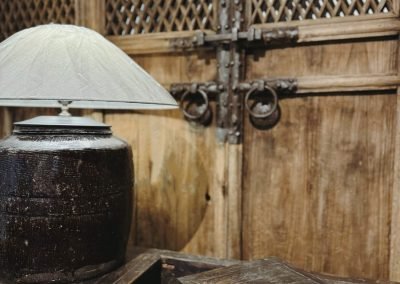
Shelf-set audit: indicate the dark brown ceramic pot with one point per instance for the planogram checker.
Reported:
(65, 200)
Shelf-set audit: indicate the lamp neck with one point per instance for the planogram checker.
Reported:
(64, 108)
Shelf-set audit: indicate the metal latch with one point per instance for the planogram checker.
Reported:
(261, 98)
(253, 35)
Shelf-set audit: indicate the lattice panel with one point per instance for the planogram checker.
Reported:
(127, 17)
(272, 11)
(16, 15)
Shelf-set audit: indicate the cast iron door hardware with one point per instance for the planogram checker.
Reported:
(229, 90)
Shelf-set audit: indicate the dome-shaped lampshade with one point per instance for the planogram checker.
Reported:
(43, 65)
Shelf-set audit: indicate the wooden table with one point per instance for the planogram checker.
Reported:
(161, 266)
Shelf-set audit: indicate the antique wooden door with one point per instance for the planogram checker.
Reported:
(316, 183)
(320, 188)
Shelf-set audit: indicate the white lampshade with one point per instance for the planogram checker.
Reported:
(43, 65)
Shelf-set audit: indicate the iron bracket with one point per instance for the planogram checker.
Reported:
(208, 87)
(194, 100)
(280, 85)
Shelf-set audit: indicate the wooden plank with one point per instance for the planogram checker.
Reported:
(152, 265)
(396, 7)
(134, 271)
(341, 28)
(333, 59)
(317, 187)
(162, 266)
(395, 220)
(349, 30)
(346, 28)
(270, 270)
(260, 271)
(153, 42)
(340, 83)
(6, 122)
(91, 14)
(234, 197)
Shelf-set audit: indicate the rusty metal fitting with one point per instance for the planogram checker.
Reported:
(258, 109)
(195, 106)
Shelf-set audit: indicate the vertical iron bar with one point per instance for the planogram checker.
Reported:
(224, 70)
(229, 56)
(235, 98)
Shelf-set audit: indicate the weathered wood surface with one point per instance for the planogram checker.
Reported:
(5, 118)
(90, 14)
(318, 187)
(153, 42)
(161, 266)
(321, 30)
(182, 188)
(347, 83)
(153, 265)
(270, 270)
(395, 222)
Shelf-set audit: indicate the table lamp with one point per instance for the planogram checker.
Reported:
(66, 182)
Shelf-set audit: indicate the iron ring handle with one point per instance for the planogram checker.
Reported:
(274, 103)
(191, 116)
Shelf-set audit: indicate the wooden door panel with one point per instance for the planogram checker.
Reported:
(180, 168)
(317, 187)
(343, 58)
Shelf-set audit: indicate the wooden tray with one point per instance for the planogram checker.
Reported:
(167, 267)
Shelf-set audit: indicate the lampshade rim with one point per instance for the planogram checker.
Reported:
(77, 103)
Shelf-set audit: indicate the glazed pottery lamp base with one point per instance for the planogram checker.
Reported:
(66, 192)
(66, 182)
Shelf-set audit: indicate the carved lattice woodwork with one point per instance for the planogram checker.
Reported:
(272, 11)
(16, 15)
(127, 17)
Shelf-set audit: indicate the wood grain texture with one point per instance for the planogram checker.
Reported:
(91, 14)
(6, 122)
(161, 266)
(377, 25)
(342, 58)
(395, 222)
(153, 42)
(347, 83)
(181, 189)
(318, 187)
